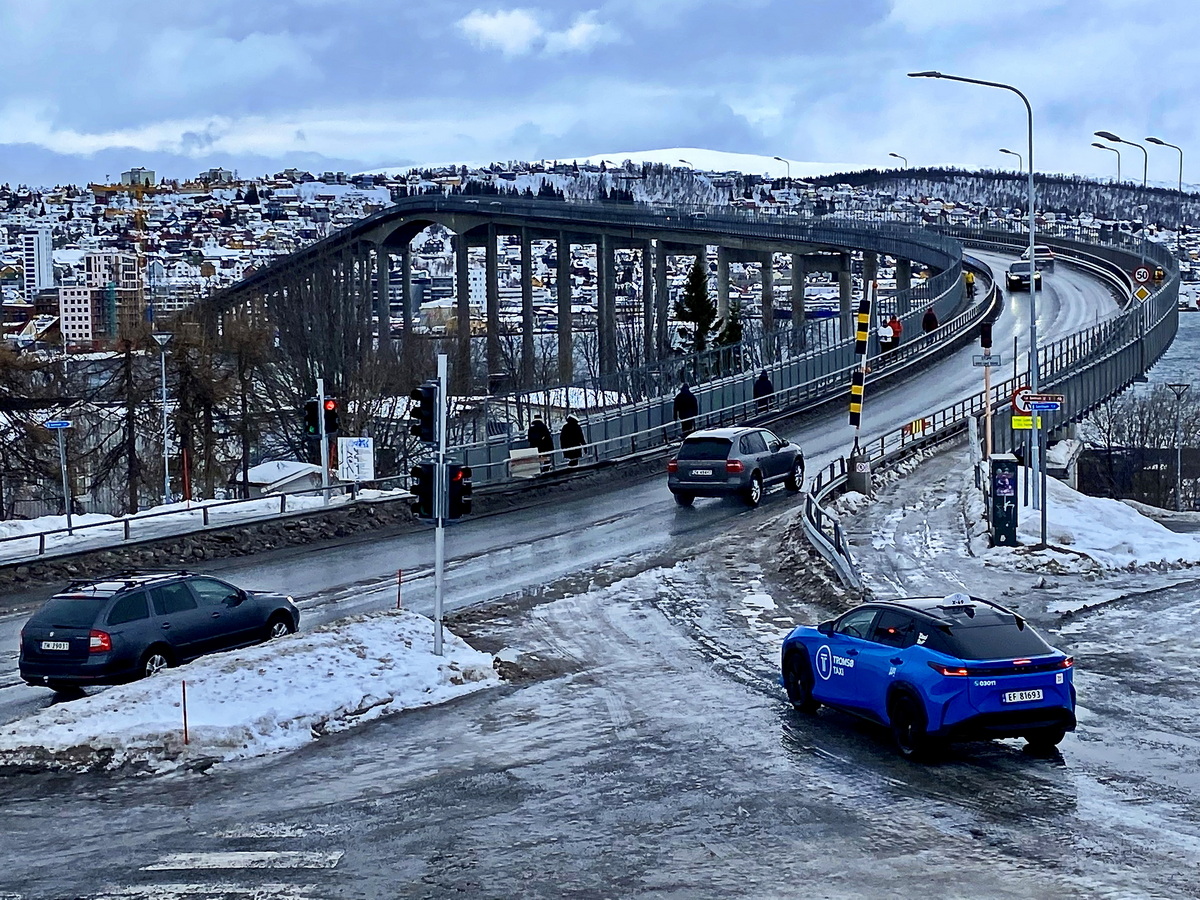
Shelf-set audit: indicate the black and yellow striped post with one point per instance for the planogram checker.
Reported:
(858, 464)
(858, 381)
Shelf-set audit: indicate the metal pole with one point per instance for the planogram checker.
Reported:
(324, 440)
(162, 356)
(987, 406)
(62, 458)
(441, 485)
(1179, 390)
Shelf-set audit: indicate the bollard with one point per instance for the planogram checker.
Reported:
(183, 686)
(399, 582)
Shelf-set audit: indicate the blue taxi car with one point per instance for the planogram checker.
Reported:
(934, 670)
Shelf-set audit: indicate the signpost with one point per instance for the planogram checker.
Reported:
(60, 426)
(990, 361)
(356, 459)
(1142, 274)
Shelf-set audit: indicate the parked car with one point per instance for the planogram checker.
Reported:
(1042, 255)
(739, 461)
(134, 624)
(1017, 277)
(933, 670)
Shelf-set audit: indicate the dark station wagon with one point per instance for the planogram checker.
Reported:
(135, 624)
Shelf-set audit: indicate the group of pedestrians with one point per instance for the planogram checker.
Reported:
(889, 332)
(570, 438)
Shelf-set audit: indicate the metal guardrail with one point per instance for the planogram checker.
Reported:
(1087, 368)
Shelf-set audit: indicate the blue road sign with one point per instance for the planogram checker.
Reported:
(57, 424)
(1045, 406)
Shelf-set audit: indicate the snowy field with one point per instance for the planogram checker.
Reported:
(272, 697)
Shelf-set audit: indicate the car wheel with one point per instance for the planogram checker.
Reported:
(753, 494)
(155, 660)
(684, 499)
(1044, 740)
(278, 626)
(908, 728)
(798, 682)
(795, 479)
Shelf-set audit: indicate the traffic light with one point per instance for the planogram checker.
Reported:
(985, 335)
(422, 413)
(333, 420)
(420, 483)
(460, 491)
(312, 427)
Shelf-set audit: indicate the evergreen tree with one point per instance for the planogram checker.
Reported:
(695, 310)
(252, 195)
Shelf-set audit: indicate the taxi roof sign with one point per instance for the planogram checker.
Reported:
(957, 599)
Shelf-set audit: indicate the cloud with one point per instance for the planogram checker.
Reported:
(518, 32)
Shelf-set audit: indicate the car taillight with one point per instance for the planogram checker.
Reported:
(1022, 662)
(949, 670)
(672, 466)
(733, 466)
(1068, 662)
(99, 642)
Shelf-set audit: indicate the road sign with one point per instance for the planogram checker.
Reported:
(1025, 423)
(1141, 293)
(1046, 406)
(1143, 274)
(60, 423)
(1046, 398)
(1020, 400)
(990, 361)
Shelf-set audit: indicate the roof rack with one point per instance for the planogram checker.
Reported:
(128, 577)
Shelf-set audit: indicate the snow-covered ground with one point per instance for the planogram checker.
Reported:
(263, 699)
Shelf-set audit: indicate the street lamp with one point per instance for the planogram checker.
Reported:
(688, 164)
(1109, 136)
(1035, 451)
(162, 338)
(1114, 150)
(1163, 143)
(789, 168)
(903, 159)
(1179, 390)
(1020, 162)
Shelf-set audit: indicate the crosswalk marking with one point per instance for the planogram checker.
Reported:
(249, 859)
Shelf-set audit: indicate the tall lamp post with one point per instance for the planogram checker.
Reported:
(789, 168)
(1020, 162)
(1111, 150)
(1161, 143)
(1035, 456)
(1109, 136)
(688, 164)
(903, 159)
(1179, 390)
(162, 338)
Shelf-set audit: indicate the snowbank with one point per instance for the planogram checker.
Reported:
(263, 699)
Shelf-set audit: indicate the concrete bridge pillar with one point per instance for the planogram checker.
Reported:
(492, 282)
(383, 312)
(903, 274)
(662, 300)
(606, 304)
(526, 308)
(799, 331)
(566, 363)
(845, 297)
(648, 301)
(768, 292)
(462, 364)
(870, 267)
(722, 281)
(406, 314)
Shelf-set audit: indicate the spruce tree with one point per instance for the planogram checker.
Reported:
(695, 310)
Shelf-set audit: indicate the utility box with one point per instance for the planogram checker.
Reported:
(858, 472)
(1002, 499)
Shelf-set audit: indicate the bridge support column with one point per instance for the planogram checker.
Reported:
(799, 329)
(870, 267)
(768, 293)
(648, 301)
(383, 306)
(722, 280)
(526, 309)
(662, 300)
(492, 282)
(606, 303)
(462, 364)
(903, 275)
(566, 363)
(406, 314)
(845, 297)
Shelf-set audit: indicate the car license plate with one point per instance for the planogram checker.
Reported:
(701, 471)
(56, 645)
(1022, 696)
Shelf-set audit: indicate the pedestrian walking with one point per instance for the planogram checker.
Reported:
(541, 439)
(763, 389)
(686, 409)
(929, 321)
(884, 334)
(897, 330)
(970, 281)
(571, 439)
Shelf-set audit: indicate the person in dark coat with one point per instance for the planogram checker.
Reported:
(541, 438)
(929, 321)
(763, 389)
(686, 409)
(571, 440)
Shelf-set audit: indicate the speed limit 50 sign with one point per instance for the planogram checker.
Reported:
(1143, 274)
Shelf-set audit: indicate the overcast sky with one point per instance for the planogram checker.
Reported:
(91, 88)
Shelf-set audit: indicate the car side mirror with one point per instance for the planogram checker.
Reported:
(236, 599)
(826, 627)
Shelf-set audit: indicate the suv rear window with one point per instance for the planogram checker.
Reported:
(996, 640)
(704, 448)
(69, 612)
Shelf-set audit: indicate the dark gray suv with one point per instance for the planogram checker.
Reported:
(719, 462)
(134, 624)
